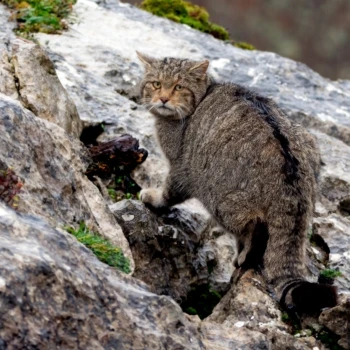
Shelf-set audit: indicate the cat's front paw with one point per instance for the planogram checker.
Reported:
(152, 197)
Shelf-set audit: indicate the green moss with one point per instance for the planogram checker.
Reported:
(102, 248)
(191, 311)
(244, 45)
(186, 13)
(40, 15)
(124, 187)
(330, 273)
(201, 301)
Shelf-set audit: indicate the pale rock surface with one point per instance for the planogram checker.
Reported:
(334, 318)
(51, 164)
(55, 294)
(173, 252)
(42, 92)
(96, 62)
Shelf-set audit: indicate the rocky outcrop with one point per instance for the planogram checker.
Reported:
(42, 92)
(90, 303)
(182, 248)
(334, 319)
(51, 164)
(56, 294)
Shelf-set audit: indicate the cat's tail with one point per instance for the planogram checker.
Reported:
(284, 259)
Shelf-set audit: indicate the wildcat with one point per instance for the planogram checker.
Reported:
(253, 170)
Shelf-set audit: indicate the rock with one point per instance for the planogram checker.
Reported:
(42, 92)
(7, 83)
(96, 62)
(248, 305)
(173, 253)
(55, 293)
(334, 319)
(335, 230)
(334, 179)
(51, 164)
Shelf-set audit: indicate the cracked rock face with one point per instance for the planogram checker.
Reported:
(95, 62)
(172, 253)
(334, 318)
(42, 92)
(51, 164)
(56, 294)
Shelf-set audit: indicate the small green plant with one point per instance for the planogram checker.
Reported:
(44, 16)
(330, 273)
(102, 248)
(243, 45)
(124, 187)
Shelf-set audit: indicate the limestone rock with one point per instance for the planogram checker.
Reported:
(249, 305)
(96, 63)
(337, 320)
(42, 92)
(335, 230)
(7, 82)
(56, 294)
(173, 252)
(51, 164)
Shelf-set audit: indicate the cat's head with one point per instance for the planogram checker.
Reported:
(171, 87)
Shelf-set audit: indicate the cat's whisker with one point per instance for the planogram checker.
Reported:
(183, 106)
(150, 109)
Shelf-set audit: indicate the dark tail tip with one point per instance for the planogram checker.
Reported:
(312, 297)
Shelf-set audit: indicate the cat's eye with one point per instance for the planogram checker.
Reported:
(178, 87)
(157, 84)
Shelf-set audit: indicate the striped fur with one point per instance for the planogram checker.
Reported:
(246, 162)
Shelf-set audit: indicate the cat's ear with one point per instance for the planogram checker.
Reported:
(200, 68)
(146, 60)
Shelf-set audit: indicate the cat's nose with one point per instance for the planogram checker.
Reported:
(164, 99)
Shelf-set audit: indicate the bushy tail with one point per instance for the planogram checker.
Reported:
(284, 259)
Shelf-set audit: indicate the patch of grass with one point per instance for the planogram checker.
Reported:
(186, 13)
(117, 196)
(44, 16)
(327, 276)
(195, 16)
(124, 187)
(243, 45)
(330, 273)
(201, 301)
(102, 248)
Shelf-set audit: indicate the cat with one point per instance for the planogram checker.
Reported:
(253, 170)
